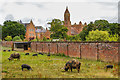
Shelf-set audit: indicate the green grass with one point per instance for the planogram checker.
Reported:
(51, 67)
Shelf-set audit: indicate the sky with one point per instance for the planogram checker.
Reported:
(43, 11)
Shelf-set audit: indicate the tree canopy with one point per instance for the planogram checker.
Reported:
(12, 28)
(102, 25)
(58, 29)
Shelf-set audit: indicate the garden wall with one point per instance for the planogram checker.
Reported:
(104, 51)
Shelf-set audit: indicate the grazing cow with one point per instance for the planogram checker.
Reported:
(26, 53)
(75, 64)
(40, 53)
(14, 56)
(109, 66)
(26, 66)
(35, 55)
(48, 54)
(4, 50)
(8, 50)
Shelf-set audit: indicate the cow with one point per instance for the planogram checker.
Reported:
(26, 66)
(4, 50)
(40, 53)
(35, 55)
(48, 54)
(26, 53)
(8, 50)
(109, 66)
(14, 56)
(72, 64)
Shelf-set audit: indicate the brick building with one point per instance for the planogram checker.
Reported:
(33, 31)
(72, 29)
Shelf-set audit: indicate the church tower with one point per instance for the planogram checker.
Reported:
(67, 21)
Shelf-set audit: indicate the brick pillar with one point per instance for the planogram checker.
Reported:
(67, 50)
(80, 52)
(97, 51)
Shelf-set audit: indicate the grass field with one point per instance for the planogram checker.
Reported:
(51, 67)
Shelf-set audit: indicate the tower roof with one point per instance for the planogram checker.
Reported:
(66, 11)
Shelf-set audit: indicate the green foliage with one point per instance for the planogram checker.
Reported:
(17, 38)
(114, 37)
(44, 39)
(74, 38)
(34, 40)
(22, 37)
(58, 29)
(8, 38)
(102, 25)
(12, 28)
(97, 36)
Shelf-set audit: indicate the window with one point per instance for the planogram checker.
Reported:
(32, 34)
(29, 34)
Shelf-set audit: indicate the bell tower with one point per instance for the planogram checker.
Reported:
(67, 21)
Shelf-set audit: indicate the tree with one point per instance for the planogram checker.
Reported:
(102, 25)
(114, 37)
(8, 38)
(97, 36)
(58, 29)
(12, 28)
(17, 38)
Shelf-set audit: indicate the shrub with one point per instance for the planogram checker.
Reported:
(44, 39)
(17, 38)
(33, 40)
(8, 38)
(114, 37)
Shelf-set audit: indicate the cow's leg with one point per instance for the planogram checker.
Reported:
(22, 68)
(71, 69)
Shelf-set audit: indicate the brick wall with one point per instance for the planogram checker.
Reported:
(7, 43)
(86, 50)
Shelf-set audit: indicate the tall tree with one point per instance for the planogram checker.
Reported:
(12, 28)
(58, 29)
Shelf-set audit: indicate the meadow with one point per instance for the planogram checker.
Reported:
(52, 67)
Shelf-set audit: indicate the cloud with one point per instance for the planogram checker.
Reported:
(9, 17)
(40, 5)
(27, 20)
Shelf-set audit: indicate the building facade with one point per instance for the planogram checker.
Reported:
(33, 32)
(72, 29)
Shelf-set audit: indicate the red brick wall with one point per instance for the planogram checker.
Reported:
(7, 43)
(89, 51)
(95, 51)
(108, 52)
(74, 49)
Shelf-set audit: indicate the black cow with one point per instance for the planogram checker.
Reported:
(35, 55)
(48, 54)
(26, 66)
(14, 56)
(8, 50)
(4, 50)
(75, 64)
(109, 67)
(40, 53)
(26, 53)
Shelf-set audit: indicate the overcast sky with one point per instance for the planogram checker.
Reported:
(44, 11)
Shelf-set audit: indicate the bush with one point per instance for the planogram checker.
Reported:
(33, 40)
(8, 38)
(17, 38)
(44, 39)
(114, 37)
